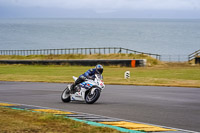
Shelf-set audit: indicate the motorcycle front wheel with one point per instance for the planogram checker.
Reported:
(65, 97)
(91, 98)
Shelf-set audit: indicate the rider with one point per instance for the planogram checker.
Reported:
(90, 74)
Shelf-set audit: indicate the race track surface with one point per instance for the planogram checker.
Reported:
(176, 107)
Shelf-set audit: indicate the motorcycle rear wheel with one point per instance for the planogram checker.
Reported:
(91, 98)
(65, 97)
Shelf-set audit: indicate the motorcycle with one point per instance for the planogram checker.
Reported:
(88, 91)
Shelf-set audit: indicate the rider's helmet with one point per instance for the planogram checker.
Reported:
(99, 69)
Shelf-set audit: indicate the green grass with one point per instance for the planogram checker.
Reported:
(158, 76)
(18, 121)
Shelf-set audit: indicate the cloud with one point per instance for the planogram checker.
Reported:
(108, 5)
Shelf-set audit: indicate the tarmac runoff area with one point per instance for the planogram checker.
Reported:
(39, 96)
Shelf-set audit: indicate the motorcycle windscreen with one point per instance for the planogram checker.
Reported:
(99, 76)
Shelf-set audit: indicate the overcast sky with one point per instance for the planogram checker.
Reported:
(100, 9)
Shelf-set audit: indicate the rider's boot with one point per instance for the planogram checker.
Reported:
(78, 81)
(72, 88)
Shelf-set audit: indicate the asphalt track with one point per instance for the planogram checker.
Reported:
(176, 107)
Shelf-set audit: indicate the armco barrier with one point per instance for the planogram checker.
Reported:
(120, 62)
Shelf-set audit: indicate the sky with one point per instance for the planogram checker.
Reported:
(100, 9)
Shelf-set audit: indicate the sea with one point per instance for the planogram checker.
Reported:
(168, 37)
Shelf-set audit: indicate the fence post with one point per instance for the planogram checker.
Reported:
(120, 50)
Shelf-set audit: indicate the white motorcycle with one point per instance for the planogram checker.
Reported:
(88, 91)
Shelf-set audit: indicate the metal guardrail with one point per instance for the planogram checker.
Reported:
(104, 50)
(193, 55)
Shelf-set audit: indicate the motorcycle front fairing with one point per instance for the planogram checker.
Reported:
(83, 87)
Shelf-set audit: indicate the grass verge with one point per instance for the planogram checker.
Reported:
(151, 61)
(18, 121)
(171, 75)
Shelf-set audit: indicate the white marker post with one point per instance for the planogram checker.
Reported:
(127, 75)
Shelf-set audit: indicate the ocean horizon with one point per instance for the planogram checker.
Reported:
(159, 36)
